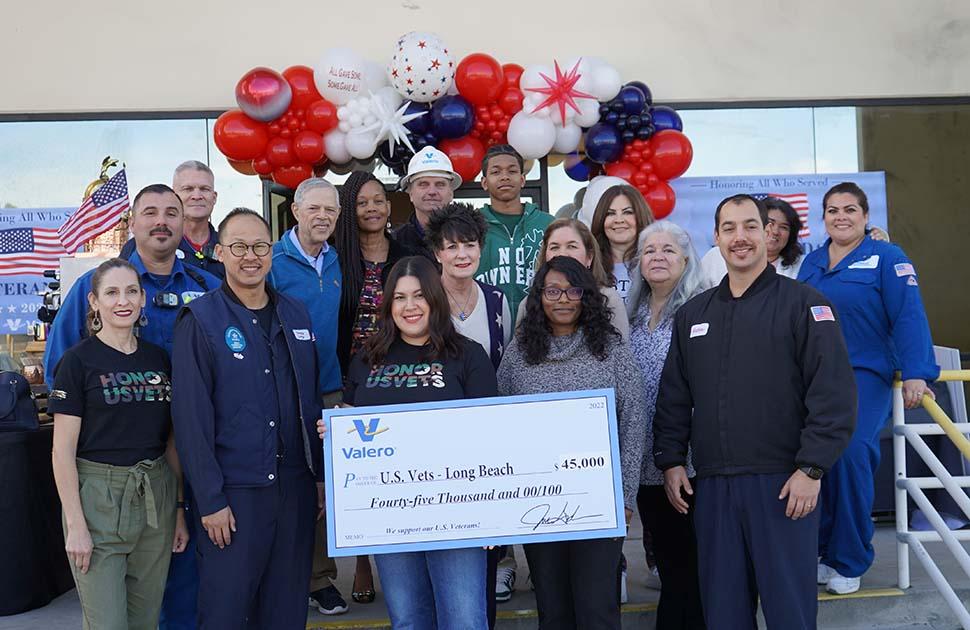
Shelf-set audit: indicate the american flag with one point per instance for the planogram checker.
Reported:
(98, 214)
(798, 201)
(27, 250)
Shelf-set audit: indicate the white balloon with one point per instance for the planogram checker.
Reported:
(361, 145)
(335, 146)
(531, 77)
(356, 120)
(375, 76)
(531, 136)
(606, 82)
(344, 126)
(567, 138)
(594, 191)
(369, 120)
(389, 95)
(585, 82)
(421, 68)
(589, 112)
(339, 75)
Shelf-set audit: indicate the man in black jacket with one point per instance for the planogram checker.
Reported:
(758, 382)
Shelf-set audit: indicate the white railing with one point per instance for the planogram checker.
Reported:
(913, 487)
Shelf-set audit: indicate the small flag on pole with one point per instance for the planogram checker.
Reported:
(98, 214)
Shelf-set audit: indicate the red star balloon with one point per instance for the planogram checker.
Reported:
(561, 91)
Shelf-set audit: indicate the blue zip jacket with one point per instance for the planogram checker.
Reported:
(226, 398)
(70, 324)
(293, 275)
(205, 259)
(876, 293)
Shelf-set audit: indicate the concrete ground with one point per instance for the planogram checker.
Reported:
(879, 605)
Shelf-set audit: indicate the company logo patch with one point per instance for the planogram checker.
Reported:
(301, 334)
(872, 262)
(911, 281)
(699, 330)
(367, 432)
(904, 269)
(235, 339)
(188, 296)
(822, 314)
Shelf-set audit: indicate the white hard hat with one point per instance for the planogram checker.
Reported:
(429, 161)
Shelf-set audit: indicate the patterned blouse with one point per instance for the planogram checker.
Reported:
(371, 294)
(650, 350)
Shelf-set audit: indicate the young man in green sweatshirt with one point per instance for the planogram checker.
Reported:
(514, 229)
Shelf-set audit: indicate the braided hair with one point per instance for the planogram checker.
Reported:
(347, 240)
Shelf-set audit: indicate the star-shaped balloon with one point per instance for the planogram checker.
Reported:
(561, 91)
(391, 123)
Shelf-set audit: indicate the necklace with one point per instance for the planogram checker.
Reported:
(462, 314)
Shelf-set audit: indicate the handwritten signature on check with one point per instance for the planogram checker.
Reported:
(538, 516)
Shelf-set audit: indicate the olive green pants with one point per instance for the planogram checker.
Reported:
(130, 513)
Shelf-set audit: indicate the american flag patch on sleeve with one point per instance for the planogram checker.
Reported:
(905, 269)
(822, 314)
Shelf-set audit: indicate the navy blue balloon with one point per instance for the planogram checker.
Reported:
(611, 117)
(629, 136)
(428, 140)
(421, 124)
(616, 106)
(633, 122)
(647, 94)
(666, 118)
(621, 124)
(632, 98)
(452, 117)
(579, 171)
(644, 133)
(603, 143)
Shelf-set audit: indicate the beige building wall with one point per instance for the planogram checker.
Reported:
(184, 55)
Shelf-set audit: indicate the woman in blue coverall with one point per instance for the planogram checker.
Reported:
(875, 291)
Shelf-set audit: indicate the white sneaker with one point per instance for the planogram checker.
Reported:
(841, 585)
(653, 579)
(624, 596)
(504, 584)
(825, 573)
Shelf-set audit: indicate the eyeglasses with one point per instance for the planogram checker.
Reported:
(239, 249)
(573, 294)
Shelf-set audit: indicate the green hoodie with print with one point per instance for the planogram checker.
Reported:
(508, 258)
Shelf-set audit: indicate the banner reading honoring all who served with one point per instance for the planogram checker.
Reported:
(28, 245)
(697, 199)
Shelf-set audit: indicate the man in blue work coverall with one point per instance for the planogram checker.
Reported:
(874, 288)
(245, 405)
(156, 225)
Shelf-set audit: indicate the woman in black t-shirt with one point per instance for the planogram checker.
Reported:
(416, 355)
(114, 458)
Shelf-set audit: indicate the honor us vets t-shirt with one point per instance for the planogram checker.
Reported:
(408, 376)
(123, 400)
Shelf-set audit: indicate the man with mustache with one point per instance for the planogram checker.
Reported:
(245, 406)
(430, 183)
(194, 183)
(306, 267)
(758, 383)
(156, 223)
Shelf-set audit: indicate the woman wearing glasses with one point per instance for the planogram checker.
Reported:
(566, 342)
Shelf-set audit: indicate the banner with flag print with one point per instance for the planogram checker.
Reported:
(99, 213)
(697, 199)
(29, 250)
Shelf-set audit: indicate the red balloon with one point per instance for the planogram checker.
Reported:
(511, 101)
(321, 116)
(291, 176)
(238, 136)
(279, 152)
(623, 170)
(304, 89)
(466, 155)
(672, 153)
(479, 78)
(243, 166)
(262, 166)
(308, 147)
(661, 199)
(513, 72)
(263, 94)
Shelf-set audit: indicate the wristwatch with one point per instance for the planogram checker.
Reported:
(813, 472)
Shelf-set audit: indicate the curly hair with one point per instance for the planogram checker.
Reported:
(534, 332)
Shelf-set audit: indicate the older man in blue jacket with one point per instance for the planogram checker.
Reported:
(245, 403)
(306, 268)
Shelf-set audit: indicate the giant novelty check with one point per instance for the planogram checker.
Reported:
(468, 473)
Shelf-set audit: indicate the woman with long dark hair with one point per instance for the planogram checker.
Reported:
(427, 589)
(620, 215)
(566, 342)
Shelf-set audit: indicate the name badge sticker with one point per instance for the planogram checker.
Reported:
(904, 269)
(302, 334)
(235, 339)
(872, 262)
(699, 330)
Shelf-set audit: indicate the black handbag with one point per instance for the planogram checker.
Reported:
(17, 409)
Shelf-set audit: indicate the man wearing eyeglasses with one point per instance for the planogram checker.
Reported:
(306, 268)
(244, 374)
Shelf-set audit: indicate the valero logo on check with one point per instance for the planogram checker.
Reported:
(367, 432)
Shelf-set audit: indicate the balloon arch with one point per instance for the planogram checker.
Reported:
(347, 110)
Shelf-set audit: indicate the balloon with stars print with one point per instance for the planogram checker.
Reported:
(421, 68)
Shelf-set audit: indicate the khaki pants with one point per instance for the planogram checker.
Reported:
(130, 513)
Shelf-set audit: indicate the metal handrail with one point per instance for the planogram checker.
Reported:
(906, 487)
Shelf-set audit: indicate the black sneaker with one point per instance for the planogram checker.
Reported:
(328, 601)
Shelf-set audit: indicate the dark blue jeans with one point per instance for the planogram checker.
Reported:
(443, 589)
